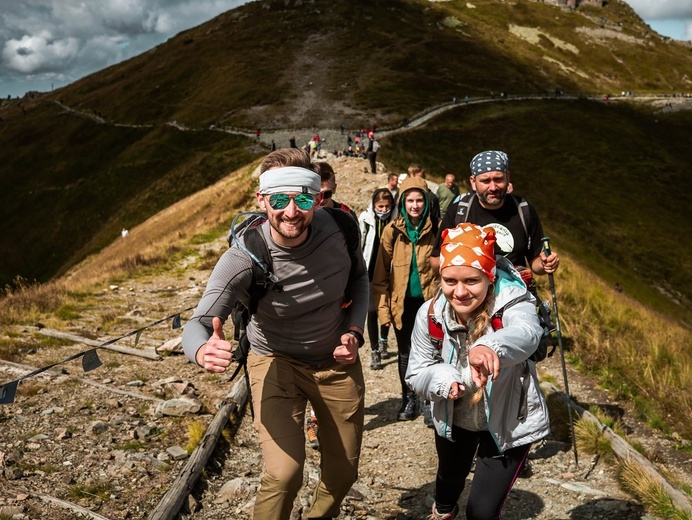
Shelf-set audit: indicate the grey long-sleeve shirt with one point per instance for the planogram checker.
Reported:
(305, 321)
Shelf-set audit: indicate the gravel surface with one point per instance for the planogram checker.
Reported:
(116, 455)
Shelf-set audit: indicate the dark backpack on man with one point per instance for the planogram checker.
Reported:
(264, 280)
(467, 199)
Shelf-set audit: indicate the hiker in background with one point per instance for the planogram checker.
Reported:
(393, 186)
(417, 170)
(273, 146)
(470, 421)
(373, 147)
(372, 223)
(517, 226)
(328, 189)
(304, 339)
(447, 192)
(403, 279)
(292, 142)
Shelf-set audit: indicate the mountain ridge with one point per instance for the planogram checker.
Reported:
(74, 182)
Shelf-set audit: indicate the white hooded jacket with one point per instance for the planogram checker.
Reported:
(431, 371)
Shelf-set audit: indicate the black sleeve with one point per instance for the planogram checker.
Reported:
(434, 206)
(447, 222)
(536, 233)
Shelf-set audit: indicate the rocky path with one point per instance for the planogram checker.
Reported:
(116, 454)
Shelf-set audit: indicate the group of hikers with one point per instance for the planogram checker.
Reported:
(424, 261)
(363, 145)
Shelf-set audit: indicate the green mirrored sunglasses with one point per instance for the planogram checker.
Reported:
(304, 201)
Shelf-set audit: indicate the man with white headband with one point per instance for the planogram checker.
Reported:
(304, 340)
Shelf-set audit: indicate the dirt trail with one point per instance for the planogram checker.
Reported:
(115, 455)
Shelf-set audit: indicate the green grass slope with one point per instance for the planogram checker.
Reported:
(380, 61)
(70, 184)
(610, 181)
(71, 181)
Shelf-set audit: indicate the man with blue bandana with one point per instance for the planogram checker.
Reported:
(304, 339)
(517, 227)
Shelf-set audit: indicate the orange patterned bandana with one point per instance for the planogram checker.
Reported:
(471, 245)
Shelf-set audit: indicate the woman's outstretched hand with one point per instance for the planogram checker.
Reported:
(484, 363)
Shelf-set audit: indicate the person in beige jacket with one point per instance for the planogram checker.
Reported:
(403, 278)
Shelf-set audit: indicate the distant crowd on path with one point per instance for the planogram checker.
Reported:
(363, 145)
(446, 261)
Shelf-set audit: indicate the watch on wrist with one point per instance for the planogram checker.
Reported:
(358, 336)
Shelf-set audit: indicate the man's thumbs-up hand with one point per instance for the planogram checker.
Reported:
(218, 329)
(215, 354)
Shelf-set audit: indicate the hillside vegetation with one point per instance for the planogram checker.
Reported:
(642, 357)
(606, 179)
(113, 149)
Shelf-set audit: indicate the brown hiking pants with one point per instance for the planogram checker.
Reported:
(281, 388)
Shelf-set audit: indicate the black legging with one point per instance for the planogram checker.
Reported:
(403, 337)
(374, 331)
(492, 480)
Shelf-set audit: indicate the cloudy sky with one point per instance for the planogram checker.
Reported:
(46, 44)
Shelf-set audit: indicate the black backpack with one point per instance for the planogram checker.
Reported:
(542, 308)
(467, 199)
(264, 280)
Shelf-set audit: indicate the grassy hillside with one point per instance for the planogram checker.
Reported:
(72, 180)
(70, 184)
(279, 63)
(610, 182)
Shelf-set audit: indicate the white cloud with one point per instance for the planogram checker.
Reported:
(40, 53)
(662, 9)
(43, 41)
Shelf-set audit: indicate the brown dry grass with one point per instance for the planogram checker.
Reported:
(153, 241)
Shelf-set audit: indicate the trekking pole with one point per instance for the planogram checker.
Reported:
(551, 281)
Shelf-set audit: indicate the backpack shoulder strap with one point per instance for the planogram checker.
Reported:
(349, 228)
(524, 215)
(434, 326)
(463, 208)
(496, 319)
(260, 282)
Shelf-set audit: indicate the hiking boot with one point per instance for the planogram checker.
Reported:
(382, 347)
(376, 360)
(427, 414)
(312, 429)
(526, 471)
(435, 515)
(408, 410)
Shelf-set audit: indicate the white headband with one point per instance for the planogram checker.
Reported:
(289, 178)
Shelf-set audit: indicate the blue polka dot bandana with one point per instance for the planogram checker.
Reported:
(489, 161)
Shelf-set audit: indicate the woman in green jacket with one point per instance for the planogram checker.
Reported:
(403, 278)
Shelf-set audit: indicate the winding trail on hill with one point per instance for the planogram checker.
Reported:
(281, 136)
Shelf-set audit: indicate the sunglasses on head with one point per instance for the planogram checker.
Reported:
(304, 201)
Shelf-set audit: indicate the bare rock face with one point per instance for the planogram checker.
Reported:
(179, 407)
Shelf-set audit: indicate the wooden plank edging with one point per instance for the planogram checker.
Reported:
(63, 503)
(55, 372)
(145, 353)
(171, 503)
(626, 453)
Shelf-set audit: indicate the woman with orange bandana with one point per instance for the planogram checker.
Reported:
(484, 389)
